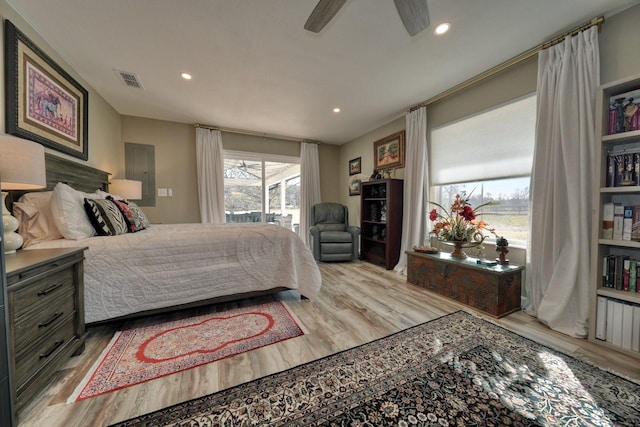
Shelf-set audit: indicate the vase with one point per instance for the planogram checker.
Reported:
(459, 245)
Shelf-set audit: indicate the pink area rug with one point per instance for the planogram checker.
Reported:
(144, 353)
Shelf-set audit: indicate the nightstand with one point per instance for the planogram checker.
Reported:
(45, 303)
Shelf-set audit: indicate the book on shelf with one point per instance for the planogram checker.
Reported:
(627, 325)
(611, 170)
(635, 329)
(611, 271)
(635, 226)
(625, 274)
(636, 168)
(627, 222)
(633, 275)
(616, 333)
(601, 318)
(610, 305)
(618, 218)
(607, 220)
(619, 271)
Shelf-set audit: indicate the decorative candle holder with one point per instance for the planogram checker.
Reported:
(502, 248)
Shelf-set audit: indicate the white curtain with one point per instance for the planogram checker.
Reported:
(416, 185)
(562, 182)
(309, 186)
(210, 167)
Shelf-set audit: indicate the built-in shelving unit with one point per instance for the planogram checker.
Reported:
(604, 192)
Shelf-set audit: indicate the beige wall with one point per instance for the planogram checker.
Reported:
(104, 141)
(175, 156)
(619, 57)
(362, 147)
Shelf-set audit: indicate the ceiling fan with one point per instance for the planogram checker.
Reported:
(414, 14)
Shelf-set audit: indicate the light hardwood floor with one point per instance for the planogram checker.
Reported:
(358, 303)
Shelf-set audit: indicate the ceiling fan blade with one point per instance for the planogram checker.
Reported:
(324, 11)
(414, 15)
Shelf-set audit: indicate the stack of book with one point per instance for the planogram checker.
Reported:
(620, 222)
(621, 273)
(618, 323)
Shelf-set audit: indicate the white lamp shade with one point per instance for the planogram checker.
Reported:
(21, 164)
(126, 188)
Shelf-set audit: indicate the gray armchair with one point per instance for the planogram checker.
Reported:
(332, 238)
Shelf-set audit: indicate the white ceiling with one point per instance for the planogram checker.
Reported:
(255, 67)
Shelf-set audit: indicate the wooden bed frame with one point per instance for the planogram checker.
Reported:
(89, 179)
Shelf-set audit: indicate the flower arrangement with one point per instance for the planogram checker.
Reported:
(459, 224)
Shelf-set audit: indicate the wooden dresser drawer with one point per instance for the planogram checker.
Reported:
(35, 357)
(38, 322)
(47, 292)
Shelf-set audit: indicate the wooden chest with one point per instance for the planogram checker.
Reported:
(45, 295)
(492, 289)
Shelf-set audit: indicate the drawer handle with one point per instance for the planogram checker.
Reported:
(48, 291)
(55, 316)
(443, 270)
(54, 348)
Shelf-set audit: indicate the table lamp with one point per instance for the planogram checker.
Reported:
(128, 189)
(21, 168)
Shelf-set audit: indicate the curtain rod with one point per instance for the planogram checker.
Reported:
(509, 63)
(252, 133)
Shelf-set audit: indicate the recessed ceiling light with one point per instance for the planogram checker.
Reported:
(185, 76)
(336, 110)
(442, 28)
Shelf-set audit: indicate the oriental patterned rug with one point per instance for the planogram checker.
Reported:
(455, 370)
(143, 353)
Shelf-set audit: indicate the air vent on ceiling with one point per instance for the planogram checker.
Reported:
(129, 79)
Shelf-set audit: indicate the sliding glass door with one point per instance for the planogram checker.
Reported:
(262, 188)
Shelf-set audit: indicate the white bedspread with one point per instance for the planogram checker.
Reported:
(174, 264)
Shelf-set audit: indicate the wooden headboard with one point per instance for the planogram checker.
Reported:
(77, 175)
(80, 177)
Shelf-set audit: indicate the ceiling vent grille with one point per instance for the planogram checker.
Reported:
(129, 79)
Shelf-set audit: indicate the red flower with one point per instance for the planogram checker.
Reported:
(467, 213)
(433, 215)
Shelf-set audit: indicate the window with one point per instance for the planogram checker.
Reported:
(262, 188)
(489, 156)
(509, 216)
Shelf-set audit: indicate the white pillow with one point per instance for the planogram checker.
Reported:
(103, 195)
(33, 211)
(67, 209)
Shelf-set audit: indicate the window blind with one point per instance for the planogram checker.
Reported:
(497, 143)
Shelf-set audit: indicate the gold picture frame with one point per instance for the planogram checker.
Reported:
(43, 102)
(388, 152)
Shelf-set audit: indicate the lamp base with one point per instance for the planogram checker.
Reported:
(12, 240)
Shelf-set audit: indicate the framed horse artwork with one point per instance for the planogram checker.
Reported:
(43, 102)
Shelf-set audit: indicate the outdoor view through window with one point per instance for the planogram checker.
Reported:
(262, 191)
(509, 214)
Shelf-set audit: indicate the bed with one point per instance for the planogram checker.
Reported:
(169, 266)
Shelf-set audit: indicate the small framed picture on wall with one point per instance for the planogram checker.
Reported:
(354, 186)
(388, 153)
(355, 166)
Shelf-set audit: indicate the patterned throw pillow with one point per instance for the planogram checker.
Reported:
(142, 221)
(105, 217)
(128, 215)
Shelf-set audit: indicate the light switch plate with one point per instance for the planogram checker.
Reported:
(162, 192)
